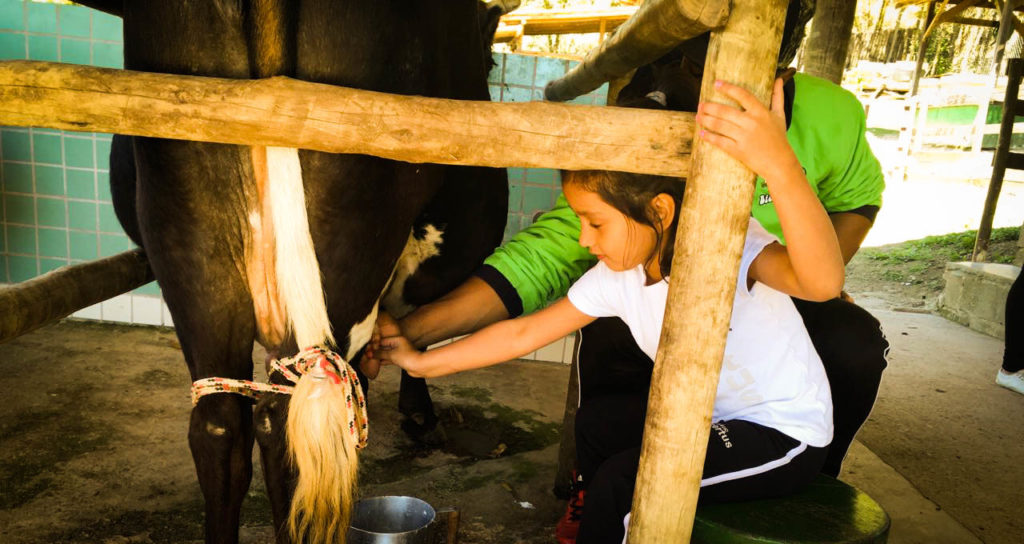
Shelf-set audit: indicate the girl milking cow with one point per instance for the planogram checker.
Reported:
(824, 126)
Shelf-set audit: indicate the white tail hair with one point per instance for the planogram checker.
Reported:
(298, 272)
(323, 452)
(320, 445)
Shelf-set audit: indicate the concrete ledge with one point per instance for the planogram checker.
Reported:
(975, 295)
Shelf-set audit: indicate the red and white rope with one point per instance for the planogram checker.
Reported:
(292, 368)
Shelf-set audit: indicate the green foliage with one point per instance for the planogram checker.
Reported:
(956, 246)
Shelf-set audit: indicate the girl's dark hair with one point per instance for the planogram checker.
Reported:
(631, 195)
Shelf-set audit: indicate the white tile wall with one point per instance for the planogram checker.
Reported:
(138, 309)
(552, 352)
(92, 312)
(147, 310)
(165, 312)
(117, 309)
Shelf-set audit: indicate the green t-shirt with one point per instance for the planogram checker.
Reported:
(827, 134)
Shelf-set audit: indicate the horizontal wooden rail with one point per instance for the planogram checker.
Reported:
(33, 303)
(655, 28)
(287, 112)
(541, 23)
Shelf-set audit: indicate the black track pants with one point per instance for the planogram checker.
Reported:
(1013, 356)
(744, 461)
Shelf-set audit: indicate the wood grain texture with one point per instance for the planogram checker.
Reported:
(709, 241)
(33, 303)
(286, 112)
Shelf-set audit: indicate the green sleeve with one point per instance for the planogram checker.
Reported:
(543, 260)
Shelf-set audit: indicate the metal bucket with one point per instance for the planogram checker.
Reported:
(400, 520)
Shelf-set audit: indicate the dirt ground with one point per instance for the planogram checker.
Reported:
(93, 444)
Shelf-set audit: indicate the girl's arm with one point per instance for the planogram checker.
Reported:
(811, 265)
(497, 343)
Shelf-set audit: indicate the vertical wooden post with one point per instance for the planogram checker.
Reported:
(1000, 159)
(829, 42)
(921, 48)
(709, 242)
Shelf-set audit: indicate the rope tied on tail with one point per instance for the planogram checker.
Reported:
(320, 364)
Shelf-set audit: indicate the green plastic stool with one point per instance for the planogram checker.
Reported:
(825, 511)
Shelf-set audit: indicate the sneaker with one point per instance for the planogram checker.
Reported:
(569, 525)
(1013, 381)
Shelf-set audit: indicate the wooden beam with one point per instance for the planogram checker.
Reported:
(826, 48)
(541, 23)
(950, 14)
(286, 112)
(709, 242)
(33, 303)
(974, 22)
(655, 28)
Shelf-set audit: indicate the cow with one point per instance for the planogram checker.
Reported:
(294, 248)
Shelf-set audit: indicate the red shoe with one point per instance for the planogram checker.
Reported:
(569, 524)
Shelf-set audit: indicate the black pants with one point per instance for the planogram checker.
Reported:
(1013, 356)
(744, 461)
(848, 339)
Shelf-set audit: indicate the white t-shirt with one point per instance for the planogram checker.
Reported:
(771, 374)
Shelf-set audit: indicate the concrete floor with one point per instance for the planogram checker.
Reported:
(944, 443)
(941, 452)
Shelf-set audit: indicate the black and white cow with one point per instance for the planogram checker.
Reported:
(225, 226)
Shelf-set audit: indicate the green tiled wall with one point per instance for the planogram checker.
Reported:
(54, 195)
(53, 185)
(521, 78)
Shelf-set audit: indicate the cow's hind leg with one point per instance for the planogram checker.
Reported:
(221, 425)
(192, 205)
(221, 438)
(271, 417)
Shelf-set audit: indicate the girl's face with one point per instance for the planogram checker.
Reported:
(616, 240)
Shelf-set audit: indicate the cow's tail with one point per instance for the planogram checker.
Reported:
(321, 447)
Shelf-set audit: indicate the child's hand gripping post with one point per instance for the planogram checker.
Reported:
(811, 265)
(751, 134)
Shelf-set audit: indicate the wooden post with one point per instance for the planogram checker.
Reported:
(921, 48)
(1004, 32)
(567, 442)
(655, 28)
(709, 242)
(33, 303)
(286, 112)
(827, 46)
(1000, 159)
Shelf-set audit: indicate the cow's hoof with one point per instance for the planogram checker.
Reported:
(429, 432)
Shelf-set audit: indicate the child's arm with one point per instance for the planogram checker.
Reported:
(497, 343)
(811, 265)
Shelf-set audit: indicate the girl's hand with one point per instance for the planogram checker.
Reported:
(751, 133)
(397, 350)
(371, 361)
